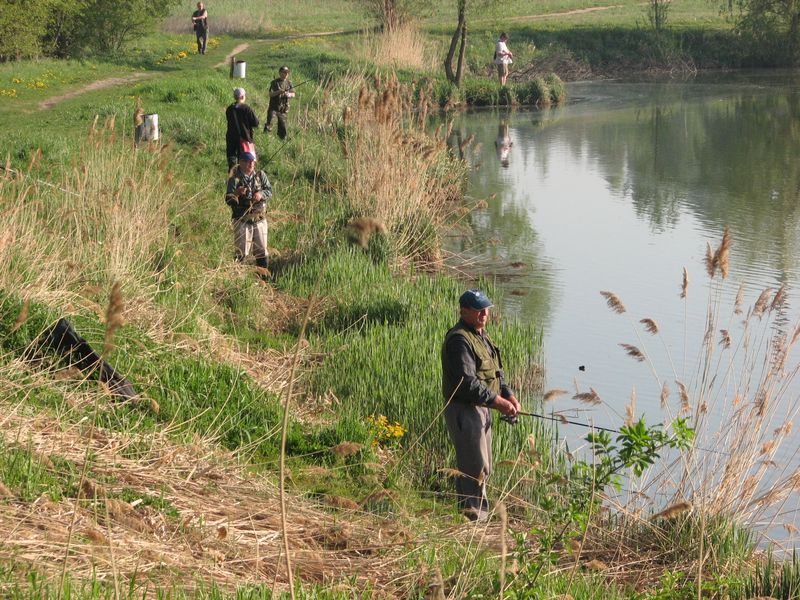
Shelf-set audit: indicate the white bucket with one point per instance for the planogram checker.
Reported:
(150, 128)
(239, 69)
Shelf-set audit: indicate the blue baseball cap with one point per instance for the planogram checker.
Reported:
(246, 156)
(474, 299)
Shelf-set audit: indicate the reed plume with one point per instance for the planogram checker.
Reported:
(725, 338)
(590, 397)
(633, 352)
(649, 325)
(684, 283)
(613, 301)
(761, 303)
(664, 396)
(345, 449)
(722, 254)
(683, 394)
(630, 409)
(673, 510)
(21, 317)
(114, 317)
(711, 266)
(553, 394)
(737, 303)
(778, 300)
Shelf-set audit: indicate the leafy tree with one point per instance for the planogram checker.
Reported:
(105, 26)
(22, 25)
(774, 24)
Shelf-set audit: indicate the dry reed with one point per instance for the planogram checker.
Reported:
(403, 46)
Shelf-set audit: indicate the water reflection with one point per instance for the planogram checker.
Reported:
(620, 191)
(503, 143)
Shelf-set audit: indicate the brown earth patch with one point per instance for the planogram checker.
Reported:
(95, 85)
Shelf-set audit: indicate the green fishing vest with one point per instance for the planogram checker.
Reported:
(487, 367)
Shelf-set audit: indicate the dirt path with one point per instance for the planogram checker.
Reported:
(568, 13)
(234, 52)
(95, 85)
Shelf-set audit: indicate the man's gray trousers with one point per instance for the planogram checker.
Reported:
(470, 429)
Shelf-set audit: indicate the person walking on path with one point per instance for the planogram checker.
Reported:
(280, 90)
(502, 58)
(200, 22)
(472, 384)
(247, 194)
(241, 122)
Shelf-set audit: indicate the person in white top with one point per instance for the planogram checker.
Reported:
(502, 58)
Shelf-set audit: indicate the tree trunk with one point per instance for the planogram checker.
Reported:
(461, 52)
(448, 61)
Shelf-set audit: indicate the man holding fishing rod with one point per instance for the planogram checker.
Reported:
(280, 90)
(472, 384)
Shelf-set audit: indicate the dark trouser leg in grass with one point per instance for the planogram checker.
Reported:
(202, 39)
(470, 429)
(281, 118)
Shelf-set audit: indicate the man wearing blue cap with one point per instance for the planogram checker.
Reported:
(247, 194)
(472, 383)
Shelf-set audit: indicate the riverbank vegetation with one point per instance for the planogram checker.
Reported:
(179, 493)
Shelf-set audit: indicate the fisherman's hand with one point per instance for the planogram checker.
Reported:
(513, 399)
(258, 196)
(505, 407)
(241, 190)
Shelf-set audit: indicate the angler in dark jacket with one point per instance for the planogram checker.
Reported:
(247, 194)
(280, 90)
(472, 383)
(241, 122)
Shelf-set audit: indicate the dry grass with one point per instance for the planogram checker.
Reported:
(403, 46)
(211, 496)
(397, 175)
(742, 401)
(104, 222)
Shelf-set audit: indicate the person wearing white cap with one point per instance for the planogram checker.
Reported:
(472, 383)
(241, 122)
(247, 194)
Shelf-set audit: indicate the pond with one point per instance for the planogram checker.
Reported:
(619, 191)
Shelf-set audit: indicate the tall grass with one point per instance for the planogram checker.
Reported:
(396, 173)
(738, 483)
(104, 220)
(403, 46)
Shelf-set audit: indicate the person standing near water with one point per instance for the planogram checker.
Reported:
(502, 58)
(280, 90)
(200, 23)
(472, 383)
(247, 193)
(241, 121)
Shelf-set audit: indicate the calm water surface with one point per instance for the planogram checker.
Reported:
(620, 190)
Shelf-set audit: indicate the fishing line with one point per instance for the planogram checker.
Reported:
(512, 421)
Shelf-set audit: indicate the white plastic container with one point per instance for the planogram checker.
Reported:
(239, 69)
(150, 128)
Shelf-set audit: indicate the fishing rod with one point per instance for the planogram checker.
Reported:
(294, 87)
(512, 420)
(271, 156)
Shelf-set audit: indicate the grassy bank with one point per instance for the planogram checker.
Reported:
(176, 494)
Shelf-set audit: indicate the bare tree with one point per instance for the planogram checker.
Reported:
(459, 39)
(392, 13)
